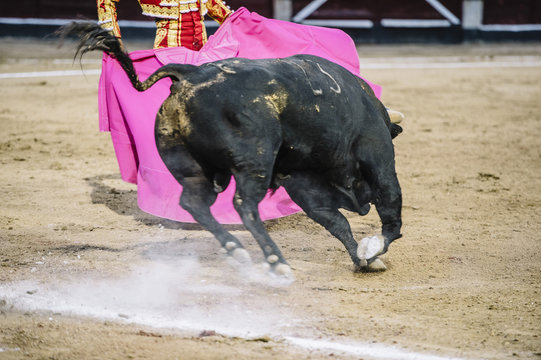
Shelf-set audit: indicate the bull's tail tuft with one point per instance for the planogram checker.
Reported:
(93, 37)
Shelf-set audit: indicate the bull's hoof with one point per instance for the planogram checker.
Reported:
(368, 248)
(283, 270)
(376, 266)
(237, 253)
(279, 268)
(242, 256)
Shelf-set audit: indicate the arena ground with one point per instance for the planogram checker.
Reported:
(84, 274)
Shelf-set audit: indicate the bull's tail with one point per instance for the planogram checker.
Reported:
(94, 37)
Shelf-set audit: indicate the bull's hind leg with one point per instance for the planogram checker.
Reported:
(250, 191)
(197, 197)
(198, 194)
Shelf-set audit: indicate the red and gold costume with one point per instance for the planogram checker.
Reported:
(178, 22)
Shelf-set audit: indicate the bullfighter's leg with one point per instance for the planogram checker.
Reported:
(378, 167)
(320, 203)
(250, 191)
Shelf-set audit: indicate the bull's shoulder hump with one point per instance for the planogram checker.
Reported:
(306, 58)
(237, 69)
(242, 63)
(315, 65)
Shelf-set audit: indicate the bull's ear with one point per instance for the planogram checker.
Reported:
(395, 130)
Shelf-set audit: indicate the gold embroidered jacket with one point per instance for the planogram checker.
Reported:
(178, 22)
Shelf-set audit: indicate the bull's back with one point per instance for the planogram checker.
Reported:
(312, 106)
(327, 112)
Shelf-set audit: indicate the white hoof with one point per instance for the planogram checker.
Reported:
(242, 256)
(377, 265)
(370, 247)
(283, 270)
(272, 259)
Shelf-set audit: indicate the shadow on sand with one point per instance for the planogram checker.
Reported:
(124, 202)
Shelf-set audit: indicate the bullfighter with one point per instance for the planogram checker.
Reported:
(178, 22)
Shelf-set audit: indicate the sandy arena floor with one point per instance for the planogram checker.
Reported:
(84, 274)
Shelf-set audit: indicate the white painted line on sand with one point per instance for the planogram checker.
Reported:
(58, 73)
(374, 351)
(78, 61)
(160, 310)
(396, 64)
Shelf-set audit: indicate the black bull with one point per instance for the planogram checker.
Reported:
(301, 122)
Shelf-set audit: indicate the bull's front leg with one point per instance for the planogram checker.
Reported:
(378, 166)
(321, 202)
(388, 204)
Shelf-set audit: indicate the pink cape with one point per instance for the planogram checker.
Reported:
(130, 115)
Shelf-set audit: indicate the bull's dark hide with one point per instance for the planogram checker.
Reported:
(302, 122)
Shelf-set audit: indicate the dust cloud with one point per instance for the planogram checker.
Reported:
(181, 293)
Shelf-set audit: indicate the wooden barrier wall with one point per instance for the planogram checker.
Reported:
(495, 11)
